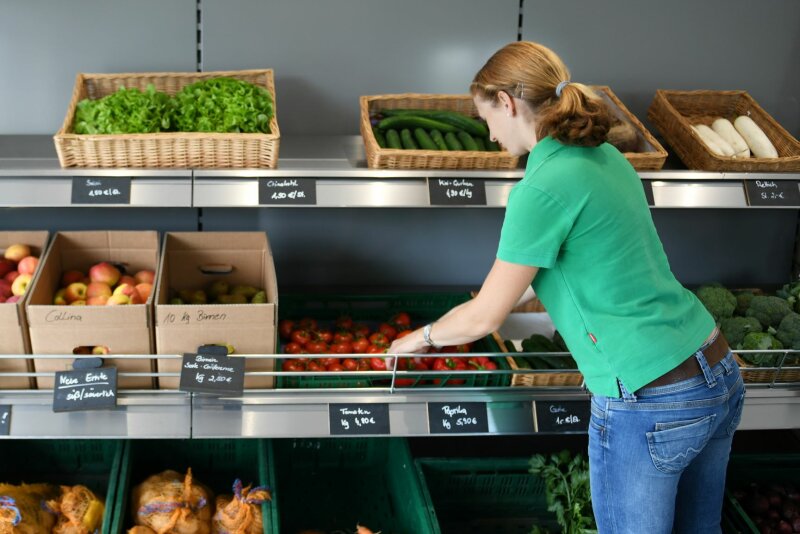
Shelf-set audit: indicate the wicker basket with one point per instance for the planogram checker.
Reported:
(673, 112)
(544, 378)
(171, 149)
(758, 375)
(651, 156)
(387, 158)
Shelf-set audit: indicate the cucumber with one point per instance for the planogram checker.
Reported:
(467, 140)
(436, 135)
(560, 362)
(454, 118)
(413, 121)
(481, 144)
(424, 140)
(522, 363)
(379, 137)
(408, 140)
(492, 145)
(452, 141)
(393, 139)
(538, 362)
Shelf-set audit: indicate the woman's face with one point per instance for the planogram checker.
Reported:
(508, 124)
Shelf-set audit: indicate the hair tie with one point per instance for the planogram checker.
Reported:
(560, 87)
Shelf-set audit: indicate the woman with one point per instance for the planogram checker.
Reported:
(667, 395)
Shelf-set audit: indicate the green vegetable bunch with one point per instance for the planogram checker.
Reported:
(568, 493)
(125, 111)
(223, 105)
(719, 302)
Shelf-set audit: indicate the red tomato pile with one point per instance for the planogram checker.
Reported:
(348, 337)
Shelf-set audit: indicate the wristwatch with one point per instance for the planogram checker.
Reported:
(426, 335)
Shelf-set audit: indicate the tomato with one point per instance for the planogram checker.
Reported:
(404, 382)
(307, 323)
(465, 347)
(317, 347)
(388, 330)
(376, 349)
(342, 348)
(350, 364)
(490, 366)
(363, 364)
(360, 345)
(345, 322)
(377, 364)
(402, 333)
(428, 361)
(343, 336)
(315, 367)
(301, 337)
(379, 339)
(324, 335)
(361, 330)
(285, 327)
(401, 320)
(334, 368)
(292, 365)
(292, 348)
(325, 362)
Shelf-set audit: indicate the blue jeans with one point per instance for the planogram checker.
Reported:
(657, 458)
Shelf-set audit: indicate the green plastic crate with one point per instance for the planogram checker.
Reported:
(479, 495)
(375, 309)
(332, 484)
(762, 469)
(215, 463)
(93, 463)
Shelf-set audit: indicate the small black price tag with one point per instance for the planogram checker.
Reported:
(85, 389)
(5, 420)
(457, 418)
(457, 191)
(561, 416)
(287, 191)
(773, 192)
(101, 190)
(212, 371)
(358, 419)
(648, 192)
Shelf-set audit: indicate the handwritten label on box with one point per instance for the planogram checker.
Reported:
(561, 416)
(287, 191)
(85, 389)
(773, 192)
(457, 418)
(457, 191)
(101, 190)
(212, 371)
(358, 419)
(5, 420)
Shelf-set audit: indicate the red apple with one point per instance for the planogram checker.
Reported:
(118, 300)
(70, 277)
(75, 291)
(27, 265)
(98, 289)
(59, 299)
(80, 302)
(100, 349)
(136, 298)
(20, 284)
(101, 300)
(126, 279)
(6, 266)
(10, 277)
(2, 299)
(145, 276)
(124, 289)
(5, 289)
(13, 298)
(104, 272)
(144, 289)
(16, 252)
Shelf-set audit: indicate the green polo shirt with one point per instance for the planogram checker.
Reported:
(581, 216)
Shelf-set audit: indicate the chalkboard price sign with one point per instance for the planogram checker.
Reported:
(101, 190)
(5, 420)
(457, 191)
(85, 389)
(457, 418)
(212, 371)
(358, 419)
(287, 191)
(561, 416)
(773, 192)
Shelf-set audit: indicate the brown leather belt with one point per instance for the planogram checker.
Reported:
(690, 366)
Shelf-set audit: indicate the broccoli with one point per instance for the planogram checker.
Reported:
(743, 299)
(791, 292)
(789, 335)
(761, 341)
(719, 302)
(735, 328)
(769, 310)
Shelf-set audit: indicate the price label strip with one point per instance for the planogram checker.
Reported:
(85, 389)
(773, 192)
(358, 419)
(648, 192)
(101, 190)
(212, 371)
(561, 416)
(5, 420)
(457, 191)
(457, 418)
(287, 191)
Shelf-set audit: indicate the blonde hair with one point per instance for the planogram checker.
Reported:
(532, 72)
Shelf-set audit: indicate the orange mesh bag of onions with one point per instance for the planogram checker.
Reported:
(23, 510)
(240, 513)
(78, 510)
(172, 503)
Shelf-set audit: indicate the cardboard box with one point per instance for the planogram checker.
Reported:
(193, 260)
(14, 336)
(123, 329)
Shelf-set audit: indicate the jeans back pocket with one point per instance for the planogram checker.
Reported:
(675, 444)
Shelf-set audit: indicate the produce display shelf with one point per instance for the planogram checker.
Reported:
(30, 176)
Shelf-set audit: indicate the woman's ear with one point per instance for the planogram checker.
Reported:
(507, 102)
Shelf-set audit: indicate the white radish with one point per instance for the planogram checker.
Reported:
(714, 142)
(755, 137)
(725, 129)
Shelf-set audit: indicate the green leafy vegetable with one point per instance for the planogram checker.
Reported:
(568, 493)
(125, 111)
(223, 105)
